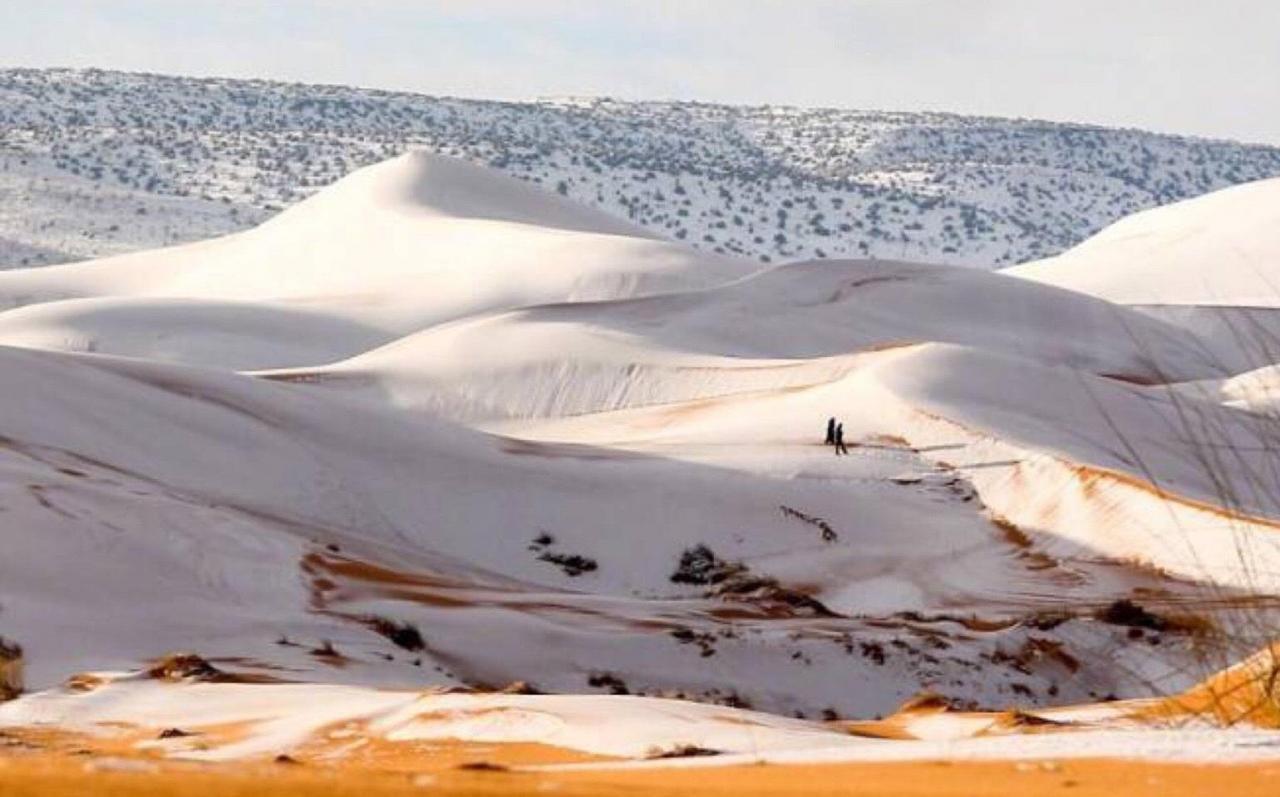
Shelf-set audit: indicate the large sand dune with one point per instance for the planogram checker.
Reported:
(393, 248)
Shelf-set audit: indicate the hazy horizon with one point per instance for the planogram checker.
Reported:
(1175, 66)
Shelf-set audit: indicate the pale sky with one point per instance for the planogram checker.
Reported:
(1207, 67)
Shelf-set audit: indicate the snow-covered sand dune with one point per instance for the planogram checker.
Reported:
(792, 326)
(433, 426)
(315, 518)
(236, 335)
(1219, 249)
(393, 248)
(1138, 473)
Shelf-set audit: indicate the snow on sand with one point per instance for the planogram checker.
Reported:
(432, 426)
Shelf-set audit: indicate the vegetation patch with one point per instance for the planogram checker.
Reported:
(402, 635)
(828, 534)
(573, 565)
(186, 667)
(700, 566)
(608, 681)
(1128, 613)
(681, 751)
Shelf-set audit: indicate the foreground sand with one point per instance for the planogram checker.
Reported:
(40, 763)
(61, 775)
(148, 734)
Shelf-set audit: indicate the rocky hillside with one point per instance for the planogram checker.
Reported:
(95, 163)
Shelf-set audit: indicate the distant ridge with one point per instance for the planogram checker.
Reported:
(95, 163)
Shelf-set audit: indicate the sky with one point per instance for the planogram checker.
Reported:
(1204, 67)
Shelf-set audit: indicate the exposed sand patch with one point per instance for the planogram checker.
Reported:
(1248, 693)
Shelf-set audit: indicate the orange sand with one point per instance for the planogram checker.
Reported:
(46, 776)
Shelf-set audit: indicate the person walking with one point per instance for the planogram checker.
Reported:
(840, 446)
(831, 432)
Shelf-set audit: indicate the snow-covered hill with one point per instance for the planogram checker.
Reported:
(95, 163)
